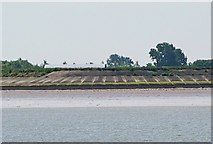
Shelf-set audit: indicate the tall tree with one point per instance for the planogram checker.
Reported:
(115, 61)
(166, 54)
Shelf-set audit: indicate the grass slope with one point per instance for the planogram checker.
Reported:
(114, 83)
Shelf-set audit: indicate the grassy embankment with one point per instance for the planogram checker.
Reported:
(22, 68)
(115, 83)
(36, 71)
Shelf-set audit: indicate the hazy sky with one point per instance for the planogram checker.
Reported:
(84, 32)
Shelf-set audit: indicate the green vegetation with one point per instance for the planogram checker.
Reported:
(119, 61)
(22, 68)
(166, 58)
(203, 63)
(167, 55)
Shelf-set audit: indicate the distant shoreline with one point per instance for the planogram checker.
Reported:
(108, 86)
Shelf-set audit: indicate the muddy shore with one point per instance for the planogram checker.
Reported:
(107, 98)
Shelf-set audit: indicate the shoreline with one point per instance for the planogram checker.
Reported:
(107, 98)
(107, 86)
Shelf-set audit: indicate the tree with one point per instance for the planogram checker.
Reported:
(116, 61)
(203, 63)
(18, 67)
(166, 54)
(17, 64)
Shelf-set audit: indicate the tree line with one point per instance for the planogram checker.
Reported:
(164, 55)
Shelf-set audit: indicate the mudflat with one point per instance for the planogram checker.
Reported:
(107, 98)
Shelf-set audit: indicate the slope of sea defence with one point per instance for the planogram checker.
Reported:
(111, 80)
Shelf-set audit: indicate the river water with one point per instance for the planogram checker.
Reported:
(111, 123)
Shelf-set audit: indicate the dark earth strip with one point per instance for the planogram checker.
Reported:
(108, 86)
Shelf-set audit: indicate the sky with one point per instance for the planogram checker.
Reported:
(90, 32)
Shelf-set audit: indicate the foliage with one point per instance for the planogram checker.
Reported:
(21, 68)
(119, 61)
(18, 64)
(203, 63)
(149, 65)
(167, 55)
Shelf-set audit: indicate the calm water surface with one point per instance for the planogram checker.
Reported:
(105, 124)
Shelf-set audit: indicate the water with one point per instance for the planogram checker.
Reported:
(105, 124)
